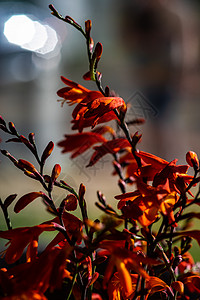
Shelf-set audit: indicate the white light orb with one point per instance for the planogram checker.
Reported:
(19, 29)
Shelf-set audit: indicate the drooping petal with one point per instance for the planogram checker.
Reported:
(80, 142)
(108, 147)
(20, 238)
(73, 84)
(178, 286)
(155, 284)
(193, 284)
(80, 123)
(125, 277)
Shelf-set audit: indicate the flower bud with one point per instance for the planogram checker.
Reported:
(55, 172)
(31, 138)
(47, 151)
(12, 128)
(88, 26)
(71, 202)
(192, 159)
(98, 51)
(24, 164)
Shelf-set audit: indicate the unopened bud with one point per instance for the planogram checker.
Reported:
(192, 159)
(55, 172)
(24, 164)
(88, 26)
(98, 50)
(12, 128)
(71, 202)
(47, 151)
(31, 138)
(136, 138)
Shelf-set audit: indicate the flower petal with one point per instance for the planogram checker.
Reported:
(25, 200)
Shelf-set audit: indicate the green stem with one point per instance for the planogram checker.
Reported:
(73, 282)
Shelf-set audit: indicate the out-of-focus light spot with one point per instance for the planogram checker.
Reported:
(30, 35)
(49, 63)
(19, 29)
(39, 39)
(50, 42)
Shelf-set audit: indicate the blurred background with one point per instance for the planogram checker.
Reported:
(151, 58)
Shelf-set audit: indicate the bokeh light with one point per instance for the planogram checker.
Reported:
(19, 29)
(30, 35)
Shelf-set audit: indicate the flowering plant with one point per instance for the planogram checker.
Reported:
(139, 250)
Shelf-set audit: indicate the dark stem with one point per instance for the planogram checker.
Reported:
(6, 216)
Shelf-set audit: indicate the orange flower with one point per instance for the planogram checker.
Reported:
(75, 92)
(193, 284)
(116, 289)
(112, 146)
(80, 122)
(176, 174)
(124, 260)
(151, 164)
(22, 237)
(155, 163)
(153, 285)
(144, 203)
(80, 142)
(31, 279)
(93, 108)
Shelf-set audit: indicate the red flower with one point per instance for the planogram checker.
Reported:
(75, 92)
(81, 122)
(80, 142)
(22, 237)
(93, 108)
(96, 108)
(112, 147)
(124, 261)
(31, 279)
(145, 203)
(176, 174)
(151, 164)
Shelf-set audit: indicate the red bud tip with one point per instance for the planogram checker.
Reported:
(88, 26)
(52, 8)
(2, 121)
(31, 138)
(55, 172)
